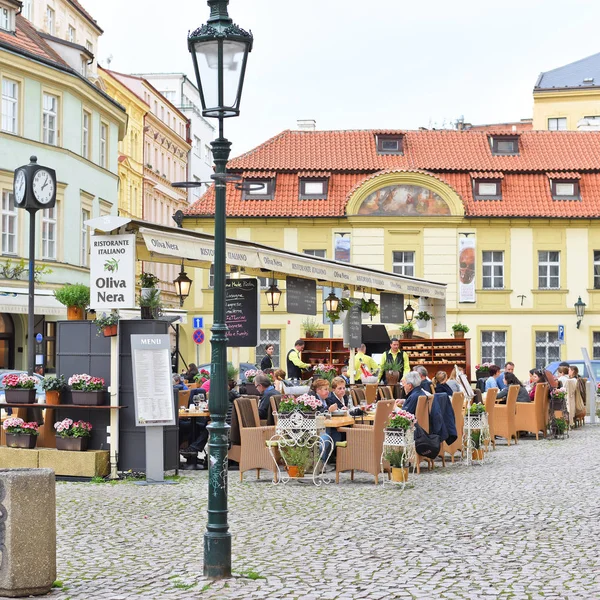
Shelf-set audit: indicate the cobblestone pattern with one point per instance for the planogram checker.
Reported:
(524, 525)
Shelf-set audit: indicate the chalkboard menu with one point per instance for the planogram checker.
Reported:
(242, 312)
(353, 325)
(301, 295)
(391, 309)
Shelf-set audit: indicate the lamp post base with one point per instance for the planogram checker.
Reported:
(217, 555)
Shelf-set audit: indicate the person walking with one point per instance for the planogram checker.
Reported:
(397, 357)
(294, 362)
(267, 361)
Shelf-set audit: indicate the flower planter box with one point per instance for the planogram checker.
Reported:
(251, 389)
(88, 398)
(21, 440)
(110, 330)
(482, 374)
(78, 444)
(399, 474)
(74, 313)
(20, 396)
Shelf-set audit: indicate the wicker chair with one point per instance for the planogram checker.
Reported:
(183, 398)
(504, 415)
(384, 392)
(371, 392)
(490, 409)
(273, 410)
(365, 445)
(422, 415)
(458, 400)
(252, 452)
(532, 416)
(358, 395)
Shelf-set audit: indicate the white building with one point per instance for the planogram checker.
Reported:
(180, 91)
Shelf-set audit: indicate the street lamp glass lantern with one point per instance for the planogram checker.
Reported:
(273, 295)
(332, 302)
(183, 285)
(580, 308)
(409, 313)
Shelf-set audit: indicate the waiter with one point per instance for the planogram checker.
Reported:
(267, 362)
(294, 362)
(362, 358)
(397, 357)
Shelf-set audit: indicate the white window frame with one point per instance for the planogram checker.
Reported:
(85, 135)
(596, 345)
(4, 19)
(317, 253)
(545, 267)
(10, 220)
(547, 349)
(555, 122)
(89, 46)
(493, 347)
(85, 236)
(197, 146)
(597, 269)
(50, 119)
(10, 106)
(492, 265)
(49, 233)
(71, 34)
(50, 14)
(269, 336)
(27, 5)
(104, 145)
(207, 154)
(403, 262)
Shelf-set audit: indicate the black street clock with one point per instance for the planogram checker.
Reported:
(34, 186)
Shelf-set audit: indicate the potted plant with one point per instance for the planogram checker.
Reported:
(399, 463)
(557, 398)
(476, 409)
(392, 375)
(232, 373)
(297, 459)
(323, 371)
(407, 330)
(76, 297)
(423, 318)
(20, 389)
(370, 307)
(107, 324)
(482, 370)
(459, 330)
(150, 304)
(477, 450)
(561, 425)
(72, 435)
(20, 434)
(311, 328)
(54, 385)
(305, 404)
(400, 420)
(202, 377)
(87, 390)
(339, 315)
(250, 388)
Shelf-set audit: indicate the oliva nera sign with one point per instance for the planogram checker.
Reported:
(112, 272)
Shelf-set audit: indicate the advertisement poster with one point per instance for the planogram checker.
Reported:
(466, 269)
(112, 272)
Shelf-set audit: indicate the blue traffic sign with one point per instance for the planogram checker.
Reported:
(38, 338)
(198, 336)
(198, 322)
(561, 334)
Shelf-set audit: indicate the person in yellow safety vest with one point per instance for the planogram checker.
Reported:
(396, 356)
(294, 363)
(361, 358)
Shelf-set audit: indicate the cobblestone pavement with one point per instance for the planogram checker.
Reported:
(524, 525)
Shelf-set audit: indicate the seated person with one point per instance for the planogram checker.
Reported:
(266, 389)
(425, 381)
(511, 379)
(412, 388)
(441, 384)
(563, 376)
(338, 399)
(491, 382)
(453, 383)
(320, 389)
(280, 382)
(178, 383)
(344, 375)
(537, 377)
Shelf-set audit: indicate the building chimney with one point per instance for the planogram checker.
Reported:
(307, 124)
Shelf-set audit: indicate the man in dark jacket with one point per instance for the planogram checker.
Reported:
(412, 388)
(266, 389)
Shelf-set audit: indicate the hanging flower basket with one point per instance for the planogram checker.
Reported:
(110, 331)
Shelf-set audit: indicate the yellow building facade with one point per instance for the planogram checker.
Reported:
(529, 270)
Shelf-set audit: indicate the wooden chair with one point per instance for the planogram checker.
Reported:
(193, 385)
(490, 404)
(504, 415)
(253, 452)
(358, 395)
(365, 445)
(422, 415)
(531, 416)
(371, 392)
(273, 410)
(458, 399)
(384, 392)
(183, 398)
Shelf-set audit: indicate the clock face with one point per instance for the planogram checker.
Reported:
(20, 187)
(43, 187)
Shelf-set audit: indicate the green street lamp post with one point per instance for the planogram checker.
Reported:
(219, 51)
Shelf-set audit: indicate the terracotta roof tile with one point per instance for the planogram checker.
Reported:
(563, 175)
(314, 174)
(487, 175)
(259, 174)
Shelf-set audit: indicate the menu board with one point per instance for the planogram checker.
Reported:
(353, 325)
(301, 295)
(391, 308)
(152, 383)
(242, 312)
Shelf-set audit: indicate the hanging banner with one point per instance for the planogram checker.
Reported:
(466, 269)
(112, 272)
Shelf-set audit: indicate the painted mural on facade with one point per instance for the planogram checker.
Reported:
(404, 201)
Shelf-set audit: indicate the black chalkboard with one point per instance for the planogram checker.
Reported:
(353, 325)
(301, 295)
(391, 308)
(242, 312)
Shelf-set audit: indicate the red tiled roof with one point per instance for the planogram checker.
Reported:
(259, 174)
(448, 150)
(314, 174)
(566, 175)
(453, 157)
(27, 39)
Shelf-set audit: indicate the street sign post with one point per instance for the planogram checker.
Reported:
(198, 322)
(561, 334)
(198, 336)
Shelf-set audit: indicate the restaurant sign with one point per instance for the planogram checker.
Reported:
(112, 272)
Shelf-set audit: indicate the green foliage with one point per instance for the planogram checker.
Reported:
(232, 372)
(344, 305)
(476, 438)
(460, 327)
(407, 328)
(148, 280)
(561, 425)
(54, 383)
(106, 319)
(73, 295)
(58, 584)
(151, 299)
(423, 316)
(311, 326)
(391, 366)
(476, 408)
(296, 456)
(10, 271)
(396, 458)
(369, 306)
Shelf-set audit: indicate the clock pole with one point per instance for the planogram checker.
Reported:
(30, 309)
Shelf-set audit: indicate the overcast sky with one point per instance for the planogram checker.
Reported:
(356, 64)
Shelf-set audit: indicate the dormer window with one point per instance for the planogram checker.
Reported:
(565, 190)
(504, 145)
(313, 189)
(4, 19)
(259, 189)
(8, 15)
(487, 189)
(390, 144)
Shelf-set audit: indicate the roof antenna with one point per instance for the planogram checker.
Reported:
(109, 60)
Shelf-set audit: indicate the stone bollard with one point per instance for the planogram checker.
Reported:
(27, 532)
